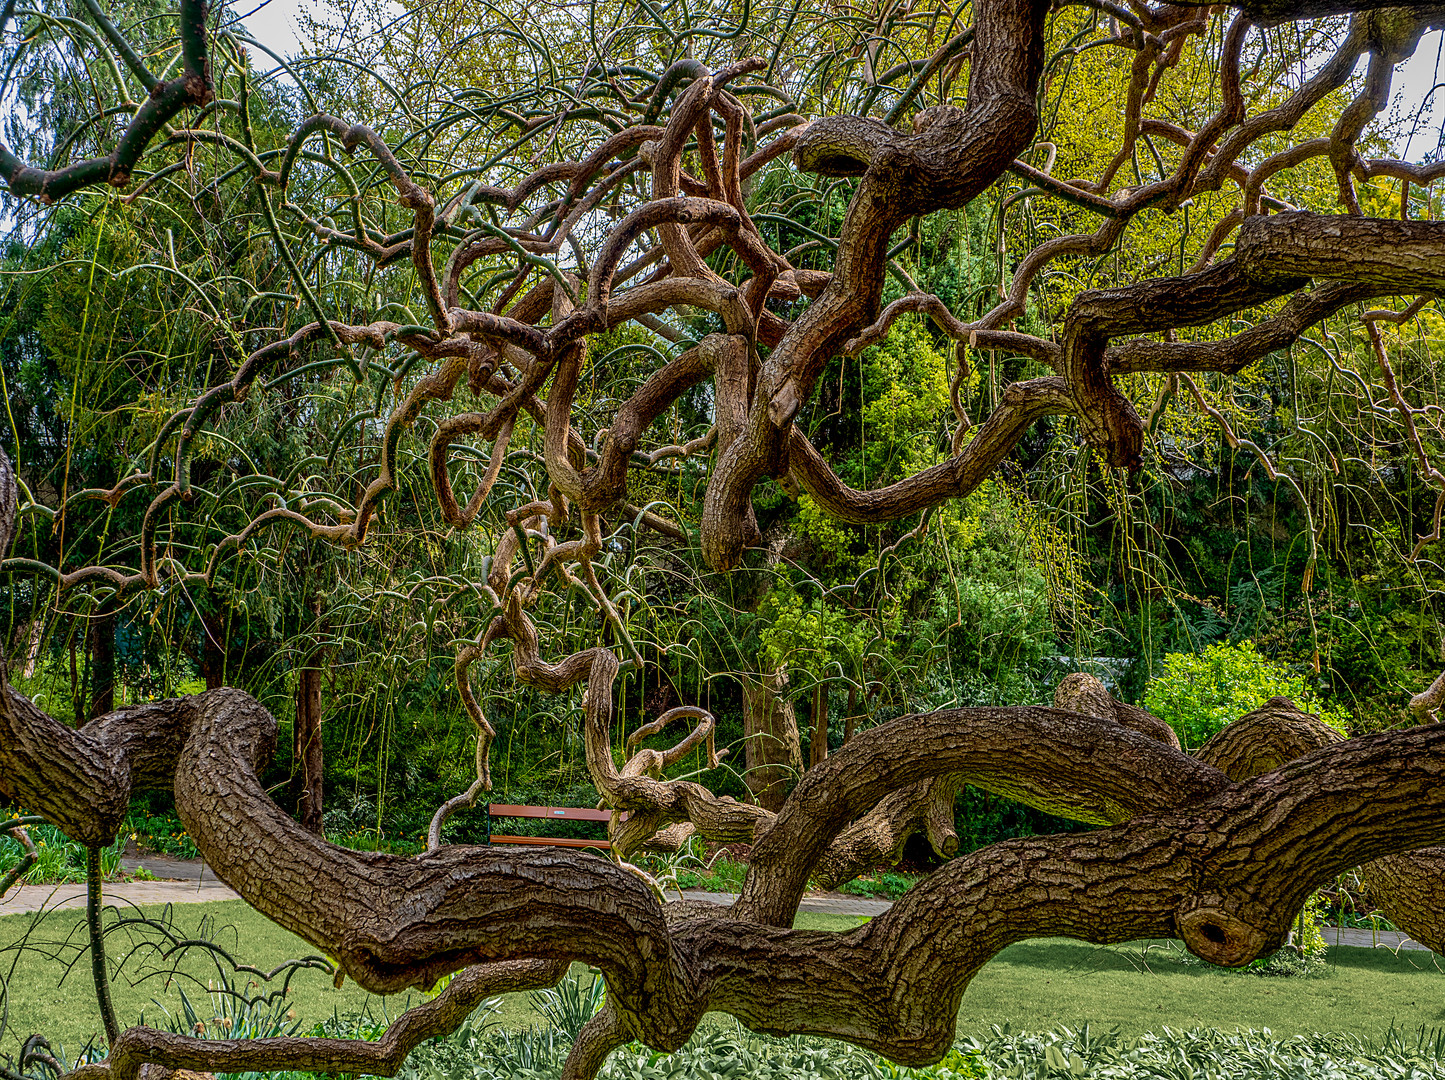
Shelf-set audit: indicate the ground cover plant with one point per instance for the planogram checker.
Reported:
(624, 352)
(1195, 1054)
(883, 886)
(483, 1049)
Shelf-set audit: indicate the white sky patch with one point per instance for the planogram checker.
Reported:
(274, 24)
(1414, 81)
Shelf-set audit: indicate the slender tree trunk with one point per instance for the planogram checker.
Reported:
(307, 749)
(102, 662)
(818, 745)
(851, 720)
(75, 703)
(213, 651)
(32, 656)
(773, 750)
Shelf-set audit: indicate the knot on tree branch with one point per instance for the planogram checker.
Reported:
(1217, 933)
(843, 145)
(935, 115)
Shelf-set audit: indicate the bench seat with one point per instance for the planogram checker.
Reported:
(551, 841)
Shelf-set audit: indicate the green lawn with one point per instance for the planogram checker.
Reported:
(61, 1005)
(1038, 984)
(1032, 986)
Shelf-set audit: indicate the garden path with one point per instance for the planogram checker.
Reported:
(26, 898)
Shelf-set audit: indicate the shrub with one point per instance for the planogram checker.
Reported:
(1198, 694)
(886, 885)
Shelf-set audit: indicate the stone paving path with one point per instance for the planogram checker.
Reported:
(1370, 939)
(192, 882)
(168, 869)
(827, 904)
(25, 898)
(181, 882)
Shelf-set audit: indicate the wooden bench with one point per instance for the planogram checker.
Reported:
(551, 813)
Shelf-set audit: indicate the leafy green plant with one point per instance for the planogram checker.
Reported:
(732, 1052)
(1207, 1054)
(471, 1053)
(1307, 938)
(61, 860)
(376, 840)
(888, 885)
(688, 869)
(905, 383)
(1198, 695)
(957, 1064)
(571, 1003)
(722, 874)
(40, 1059)
(162, 833)
(226, 1014)
(996, 1054)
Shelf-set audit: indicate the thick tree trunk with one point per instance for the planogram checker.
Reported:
(773, 753)
(102, 662)
(1085, 694)
(308, 761)
(879, 837)
(1223, 865)
(1409, 889)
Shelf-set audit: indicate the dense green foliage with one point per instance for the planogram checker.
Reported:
(59, 861)
(1280, 559)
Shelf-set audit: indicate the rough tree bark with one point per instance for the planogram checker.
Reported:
(1409, 887)
(1187, 855)
(1086, 694)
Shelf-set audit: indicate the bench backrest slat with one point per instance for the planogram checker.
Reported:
(557, 813)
